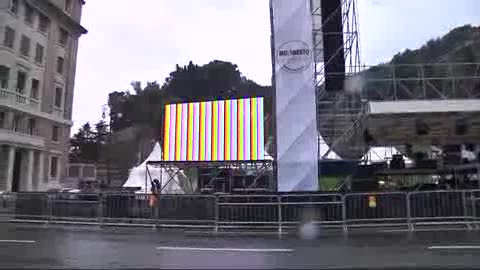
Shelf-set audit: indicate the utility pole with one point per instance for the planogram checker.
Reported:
(104, 115)
(105, 108)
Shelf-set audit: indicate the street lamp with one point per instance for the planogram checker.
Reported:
(119, 115)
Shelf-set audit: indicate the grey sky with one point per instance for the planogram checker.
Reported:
(144, 39)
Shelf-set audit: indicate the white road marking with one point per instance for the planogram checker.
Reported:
(422, 230)
(454, 247)
(227, 249)
(18, 241)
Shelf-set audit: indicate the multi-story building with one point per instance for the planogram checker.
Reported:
(38, 55)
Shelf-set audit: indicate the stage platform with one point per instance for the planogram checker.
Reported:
(240, 176)
(433, 122)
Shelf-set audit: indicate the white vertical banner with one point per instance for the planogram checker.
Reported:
(296, 126)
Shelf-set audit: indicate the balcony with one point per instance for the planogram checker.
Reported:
(27, 137)
(58, 112)
(19, 101)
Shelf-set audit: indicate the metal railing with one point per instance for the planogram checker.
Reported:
(422, 81)
(17, 98)
(263, 212)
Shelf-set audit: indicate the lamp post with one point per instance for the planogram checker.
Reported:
(106, 108)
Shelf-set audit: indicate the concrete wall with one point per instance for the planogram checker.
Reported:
(3, 167)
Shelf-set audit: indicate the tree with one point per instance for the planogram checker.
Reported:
(215, 80)
(83, 148)
(89, 145)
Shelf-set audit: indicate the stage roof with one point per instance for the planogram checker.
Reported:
(424, 106)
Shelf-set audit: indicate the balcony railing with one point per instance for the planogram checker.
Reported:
(58, 112)
(22, 135)
(17, 99)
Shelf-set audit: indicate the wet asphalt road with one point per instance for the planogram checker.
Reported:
(74, 247)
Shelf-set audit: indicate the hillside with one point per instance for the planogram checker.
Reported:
(461, 45)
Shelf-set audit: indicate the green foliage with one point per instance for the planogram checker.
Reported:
(449, 48)
(87, 145)
(213, 81)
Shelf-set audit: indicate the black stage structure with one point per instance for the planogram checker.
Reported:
(242, 176)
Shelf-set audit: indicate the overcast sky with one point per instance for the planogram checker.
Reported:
(144, 39)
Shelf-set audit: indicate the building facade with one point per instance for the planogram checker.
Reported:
(38, 54)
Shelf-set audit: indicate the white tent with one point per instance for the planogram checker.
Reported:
(136, 178)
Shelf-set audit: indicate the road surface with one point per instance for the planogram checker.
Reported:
(76, 247)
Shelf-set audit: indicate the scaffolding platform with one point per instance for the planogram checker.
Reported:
(226, 177)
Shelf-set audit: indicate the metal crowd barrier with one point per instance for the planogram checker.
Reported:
(31, 206)
(74, 206)
(277, 212)
(388, 208)
(319, 209)
(7, 205)
(473, 205)
(262, 211)
(170, 209)
(444, 205)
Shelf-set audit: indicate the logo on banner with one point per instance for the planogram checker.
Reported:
(294, 56)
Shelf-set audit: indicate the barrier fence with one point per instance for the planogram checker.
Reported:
(277, 212)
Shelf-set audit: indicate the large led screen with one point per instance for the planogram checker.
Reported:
(223, 130)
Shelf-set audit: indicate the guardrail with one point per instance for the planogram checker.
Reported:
(261, 212)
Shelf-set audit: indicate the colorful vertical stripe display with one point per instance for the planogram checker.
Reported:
(190, 137)
(247, 128)
(178, 137)
(202, 131)
(208, 131)
(166, 134)
(228, 125)
(214, 130)
(221, 131)
(173, 126)
(254, 129)
(260, 130)
(196, 131)
(234, 131)
(240, 129)
(183, 154)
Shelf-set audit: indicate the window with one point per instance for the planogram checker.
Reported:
(60, 61)
(21, 81)
(29, 13)
(14, 6)
(4, 77)
(461, 127)
(68, 6)
(9, 38)
(63, 37)
(32, 126)
(17, 123)
(25, 46)
(53, 167)
(88, 171)
(43, 23)
(55, 133)
(421, 127)
(39, 54)
(3, 118)
(58, 97)
(74, 171)
(35, 88)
